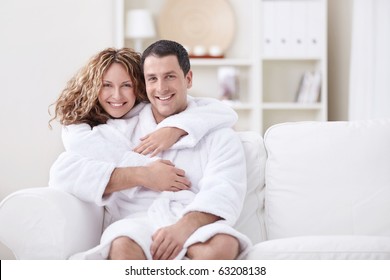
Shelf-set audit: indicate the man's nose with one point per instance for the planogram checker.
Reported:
(162, 86)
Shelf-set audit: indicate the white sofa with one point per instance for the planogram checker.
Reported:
(316, 190)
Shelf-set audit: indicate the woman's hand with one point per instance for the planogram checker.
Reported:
(159, 140)
(162, 175)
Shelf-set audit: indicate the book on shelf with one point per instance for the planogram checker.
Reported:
(310, 87)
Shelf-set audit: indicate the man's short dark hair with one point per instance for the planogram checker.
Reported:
(164, 48)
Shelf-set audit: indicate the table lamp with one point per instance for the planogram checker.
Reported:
(139, 26)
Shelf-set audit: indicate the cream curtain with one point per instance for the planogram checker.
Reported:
(369, 95)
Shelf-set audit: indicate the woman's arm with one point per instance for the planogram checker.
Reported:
(101, 143)
(160, 175)
(160, 140)
(93, 180)
(202, 116)
(101, 159)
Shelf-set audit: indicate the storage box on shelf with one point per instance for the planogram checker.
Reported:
(294, 63)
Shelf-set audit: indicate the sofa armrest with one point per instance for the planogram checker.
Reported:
(45, 223)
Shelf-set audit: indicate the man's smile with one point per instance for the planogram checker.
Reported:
(165, 98)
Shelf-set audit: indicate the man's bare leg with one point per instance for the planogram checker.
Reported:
(124, 248)
(219, 247)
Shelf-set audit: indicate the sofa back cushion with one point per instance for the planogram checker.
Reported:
(251, 218)
(328, 178)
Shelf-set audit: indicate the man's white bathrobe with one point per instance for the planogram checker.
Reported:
(215, 165)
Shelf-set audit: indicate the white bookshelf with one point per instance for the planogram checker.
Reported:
(275, 43)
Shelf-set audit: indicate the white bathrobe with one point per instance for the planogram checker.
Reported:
(215, 165)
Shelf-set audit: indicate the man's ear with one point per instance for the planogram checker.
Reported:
(189, 79)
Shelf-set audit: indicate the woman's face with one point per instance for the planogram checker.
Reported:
(117, 96)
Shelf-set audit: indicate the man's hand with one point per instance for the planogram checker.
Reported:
(159, 140)
(168, 241)
(162, 175)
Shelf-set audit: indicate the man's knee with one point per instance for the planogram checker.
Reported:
(219, 247)
(124, 248)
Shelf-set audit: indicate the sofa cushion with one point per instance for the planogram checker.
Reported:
(322, 248)
(251, 218)
(328, 178)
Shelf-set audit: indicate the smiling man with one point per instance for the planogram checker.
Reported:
(166, 85)
(196, 223)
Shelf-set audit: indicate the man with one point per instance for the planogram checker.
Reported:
(196, 223)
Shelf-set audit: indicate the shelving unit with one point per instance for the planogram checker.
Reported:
(275, 43)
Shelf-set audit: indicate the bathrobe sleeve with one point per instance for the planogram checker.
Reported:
(223, 185)
(91, 156)
(103, 143)
(203, 115)
(85, 178)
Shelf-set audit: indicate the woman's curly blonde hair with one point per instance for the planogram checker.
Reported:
(78, 102)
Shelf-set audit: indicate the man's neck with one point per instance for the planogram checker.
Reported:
(159, 118)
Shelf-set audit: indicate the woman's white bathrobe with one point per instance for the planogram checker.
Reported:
(215, 165)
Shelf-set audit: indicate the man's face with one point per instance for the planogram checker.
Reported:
(166, 86)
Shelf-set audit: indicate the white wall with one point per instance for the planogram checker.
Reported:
(42, 43)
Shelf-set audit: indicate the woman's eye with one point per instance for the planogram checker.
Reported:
(128, 85)
(106, 85)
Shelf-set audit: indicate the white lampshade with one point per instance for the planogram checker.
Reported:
(139, 25)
